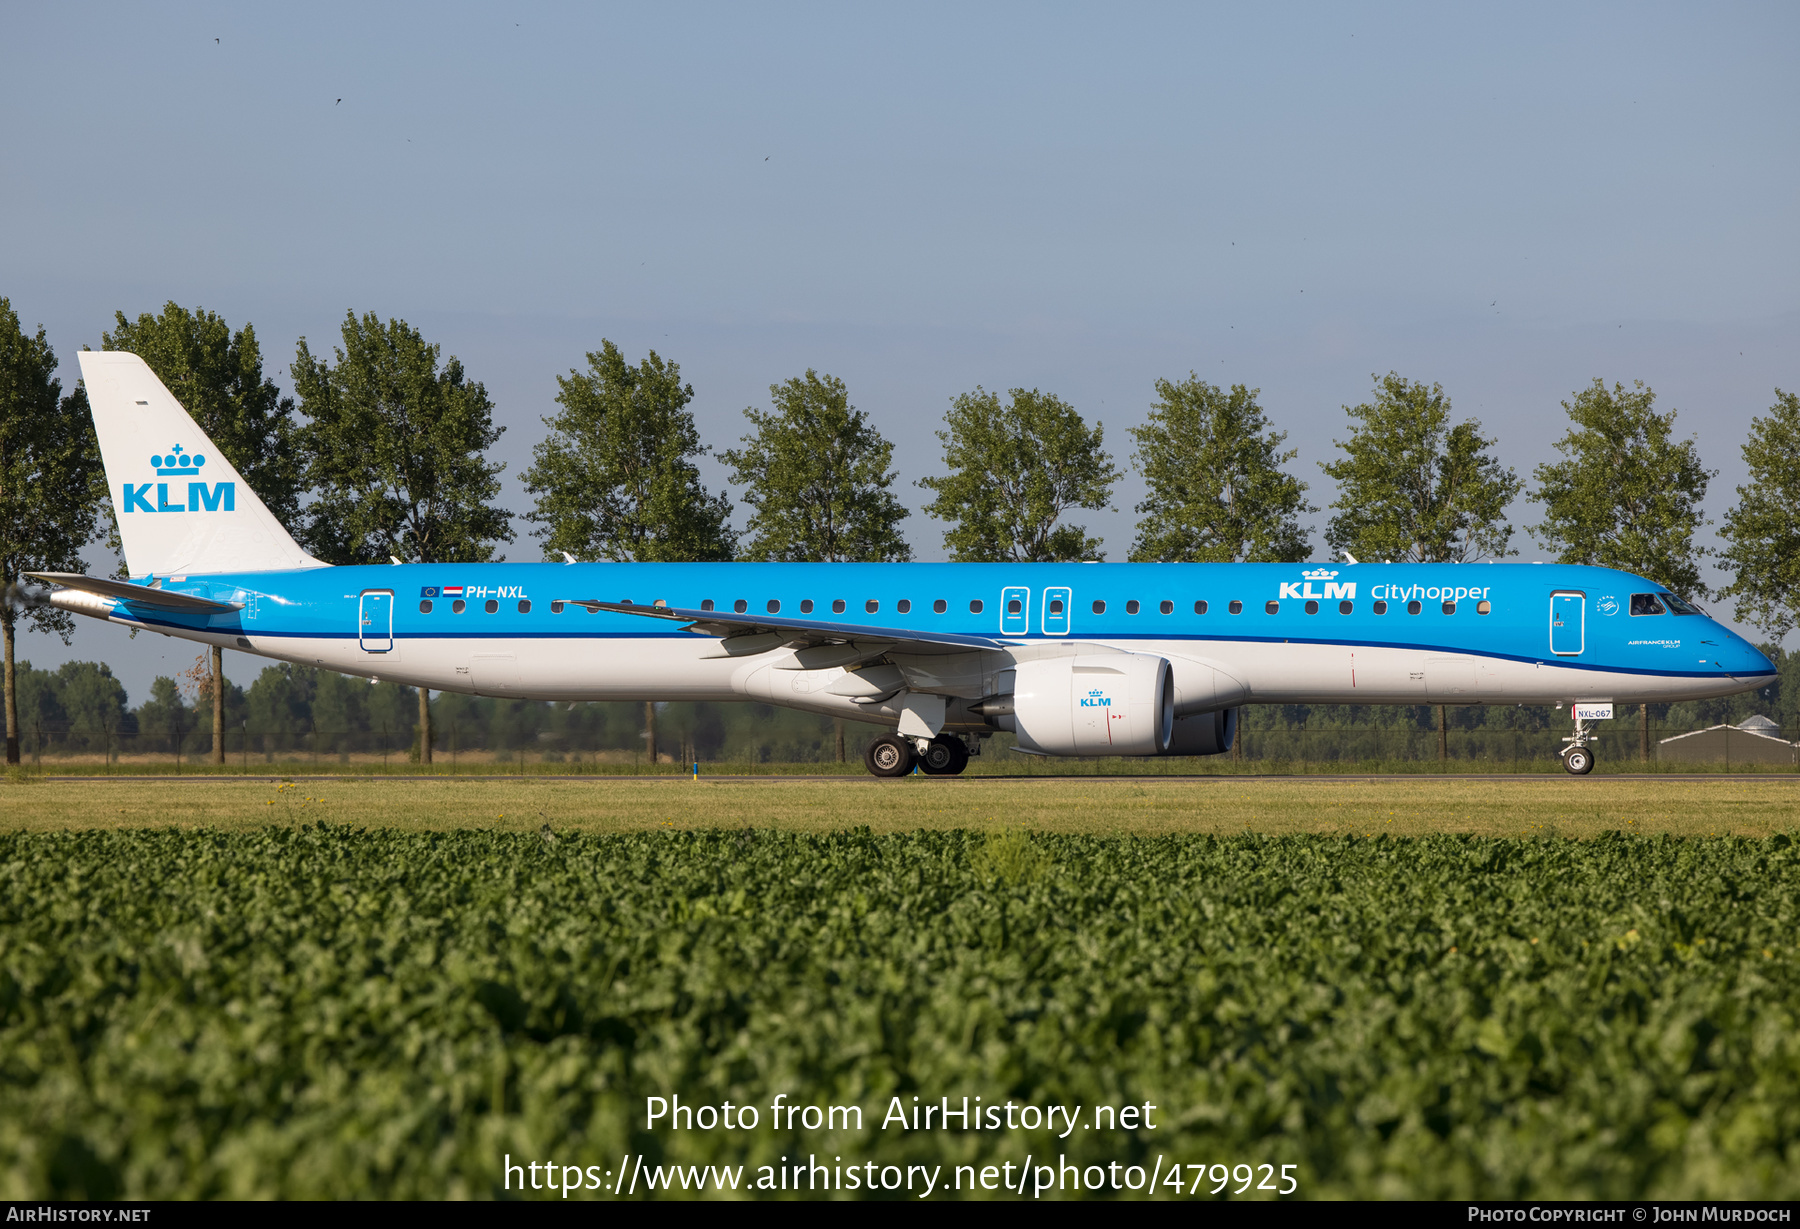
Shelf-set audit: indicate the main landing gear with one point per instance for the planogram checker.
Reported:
(1578, 757)
(894, 756)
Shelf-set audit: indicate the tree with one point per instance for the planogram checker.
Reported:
(1627, 494)
(217, 376)
(1411, 486)
(49, 473)
(1014, 470)
(393, 449)
(1217, 492)
(1763, 531)
(817, 474)
(166, 715)
(616, 479)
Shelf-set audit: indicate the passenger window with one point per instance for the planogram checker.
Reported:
(1167, 607)
(837, 607)
(871, 605)
(939, 606)
(706, 604)
(425, 606)
(1056, 606)
(1236, 607)
(1346, 607)
(491, 606)
(525, 606)
(975, 606)
(904, 605)
(1380, 608)
(1013, 607)
(740, 605)
(1200, 607)
(1312, 608)
(1271, 607)
(1099, 606)
(556, 607)
(1131, 607)
(458, 606)
(1449, 607)
(1413, 608)
(1646, 604)
(1483, 607)
(774, 606)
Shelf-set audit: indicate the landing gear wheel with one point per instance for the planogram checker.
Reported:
(944, 757)
(1579, 761)
(889, 756)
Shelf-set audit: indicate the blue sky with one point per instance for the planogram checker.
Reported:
(1510, 200)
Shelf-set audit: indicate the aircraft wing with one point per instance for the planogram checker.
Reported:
(141, 595)
(753, 633)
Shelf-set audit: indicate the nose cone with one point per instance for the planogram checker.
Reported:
(1750, 665)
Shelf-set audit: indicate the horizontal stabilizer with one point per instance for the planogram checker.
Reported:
(141, 595)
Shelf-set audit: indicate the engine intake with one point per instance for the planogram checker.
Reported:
(1111, 704)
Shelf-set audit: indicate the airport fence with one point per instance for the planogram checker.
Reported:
(459, 747)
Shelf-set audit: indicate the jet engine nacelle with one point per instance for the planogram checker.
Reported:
(1111, 704)
(1204, 733)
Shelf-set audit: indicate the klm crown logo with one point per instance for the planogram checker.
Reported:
(1320, 574)
(178, 462)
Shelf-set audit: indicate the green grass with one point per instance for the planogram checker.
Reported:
(302, 1010)
(1528, 806)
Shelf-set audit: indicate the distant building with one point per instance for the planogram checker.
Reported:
(1755, 740)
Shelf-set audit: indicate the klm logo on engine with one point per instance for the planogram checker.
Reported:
(218, 497)
(1304, 588)
(1096, 699)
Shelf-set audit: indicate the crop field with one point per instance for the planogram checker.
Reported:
(390, 990)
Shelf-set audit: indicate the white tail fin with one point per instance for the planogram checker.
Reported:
(181, 506)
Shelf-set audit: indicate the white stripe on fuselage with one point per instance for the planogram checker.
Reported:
(1209, 674)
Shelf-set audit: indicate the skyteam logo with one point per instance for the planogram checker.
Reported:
(1304, 588)
(219, 497)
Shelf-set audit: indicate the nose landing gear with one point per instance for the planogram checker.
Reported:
(1578, 756)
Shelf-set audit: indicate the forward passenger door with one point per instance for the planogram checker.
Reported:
(1568, 630)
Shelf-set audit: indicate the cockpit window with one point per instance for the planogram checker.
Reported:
(1646, 604)
(1678, 605)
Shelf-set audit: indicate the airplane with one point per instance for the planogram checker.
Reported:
(1073, 659)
